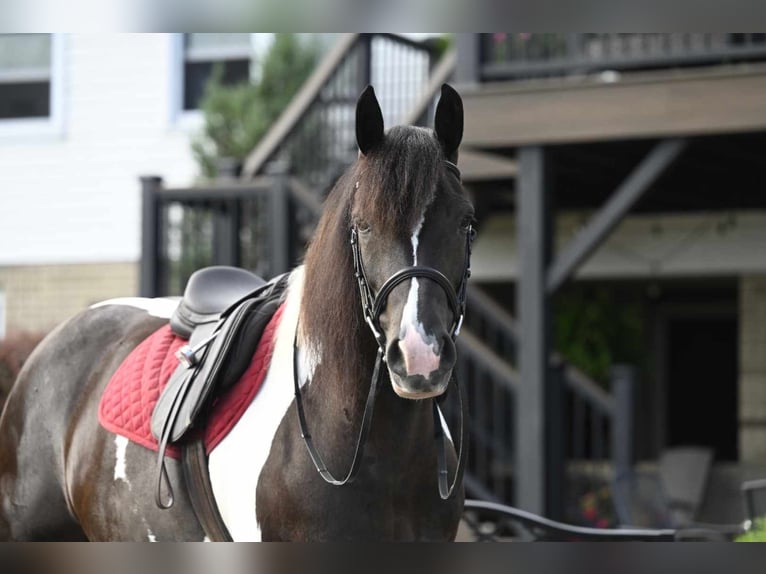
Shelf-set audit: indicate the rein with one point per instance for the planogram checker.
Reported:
(372, 307)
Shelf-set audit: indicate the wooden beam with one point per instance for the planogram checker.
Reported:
(601, 224)
(657, 104)
(477, 166)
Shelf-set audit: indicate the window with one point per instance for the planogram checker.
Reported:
(25, 76)
(201, 52)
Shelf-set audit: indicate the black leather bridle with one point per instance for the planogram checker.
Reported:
(373, 306)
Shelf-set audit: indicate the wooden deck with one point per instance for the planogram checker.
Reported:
(726, 99)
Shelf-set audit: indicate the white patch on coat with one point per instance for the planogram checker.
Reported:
(308, 359)
(120, 464)
(418, 348)
(151, 536)
(162, 307)
(236, 463)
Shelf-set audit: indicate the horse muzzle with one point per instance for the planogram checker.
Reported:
(419, 369)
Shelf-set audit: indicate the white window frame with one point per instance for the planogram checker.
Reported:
(190, 120)
(53, 125)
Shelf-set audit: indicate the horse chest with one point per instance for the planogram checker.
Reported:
(294, 504)
(394, 496)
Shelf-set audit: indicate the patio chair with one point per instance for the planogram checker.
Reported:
(669, 498)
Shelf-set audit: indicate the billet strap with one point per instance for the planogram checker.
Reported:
(197, 477)
(164, 439)
(364, 430)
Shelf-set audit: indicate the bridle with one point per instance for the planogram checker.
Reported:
(373, 305)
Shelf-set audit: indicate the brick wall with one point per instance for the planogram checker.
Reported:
(38, 297)
(752, 369)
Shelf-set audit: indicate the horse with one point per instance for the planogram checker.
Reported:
(381, 290)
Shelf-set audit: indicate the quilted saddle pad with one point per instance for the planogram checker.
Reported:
(129, 398)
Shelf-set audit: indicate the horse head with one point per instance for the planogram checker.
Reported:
(411, 230)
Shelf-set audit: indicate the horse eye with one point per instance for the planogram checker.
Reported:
(363, 226)
(467, 222)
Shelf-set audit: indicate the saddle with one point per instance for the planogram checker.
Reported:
(222, 315)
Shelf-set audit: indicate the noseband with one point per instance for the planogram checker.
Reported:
(373, 306)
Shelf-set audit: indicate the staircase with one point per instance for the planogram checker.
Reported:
(314, 140)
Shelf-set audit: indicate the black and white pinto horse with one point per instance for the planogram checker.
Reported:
(63, 477)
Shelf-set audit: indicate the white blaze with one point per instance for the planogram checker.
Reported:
(418, 352)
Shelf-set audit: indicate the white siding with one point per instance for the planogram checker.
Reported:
(74, 196)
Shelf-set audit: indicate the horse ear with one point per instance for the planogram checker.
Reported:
(449, 121)
(369, 121)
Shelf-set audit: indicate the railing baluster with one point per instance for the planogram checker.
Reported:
(597, 435)
(538, 55)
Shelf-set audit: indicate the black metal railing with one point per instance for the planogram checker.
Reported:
(316, 136)
(507, 56)
(492, 386)
(589, 425)
(246, 225)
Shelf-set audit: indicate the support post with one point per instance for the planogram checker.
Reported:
(467, 67)
(279, 224)
(623, 383)
(150, 237)
(226, 248)
(555, 466)
(533, 309)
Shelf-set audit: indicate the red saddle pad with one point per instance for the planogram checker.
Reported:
(129, 398)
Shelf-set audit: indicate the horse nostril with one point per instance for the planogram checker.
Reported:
(448, 353)
(394, 354)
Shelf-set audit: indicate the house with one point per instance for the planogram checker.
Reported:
(617, 184)
(640, 168)
(82, 116)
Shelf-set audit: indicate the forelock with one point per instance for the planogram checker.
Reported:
(397, 180)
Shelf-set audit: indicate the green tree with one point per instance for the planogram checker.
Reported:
(238, 116)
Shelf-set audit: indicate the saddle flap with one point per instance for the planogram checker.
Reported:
(169, 403)
(224, 360)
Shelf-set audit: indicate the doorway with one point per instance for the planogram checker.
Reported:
(701, 382)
